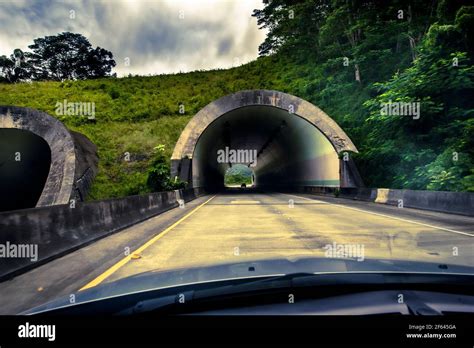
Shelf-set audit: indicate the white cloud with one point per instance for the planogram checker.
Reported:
(160, 36)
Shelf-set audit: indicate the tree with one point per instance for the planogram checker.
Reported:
(7, 67)
(14, 68)
(159, 174)
(291, 24)
(436, 151)
(68, 56)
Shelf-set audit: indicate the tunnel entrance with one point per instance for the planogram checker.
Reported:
(48, 149)
(285, 140)
(25, 160)
(281, 148)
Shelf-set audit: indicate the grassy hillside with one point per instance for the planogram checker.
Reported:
(135, 114)
(348, 71)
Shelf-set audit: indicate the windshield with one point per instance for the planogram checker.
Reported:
(231, 140)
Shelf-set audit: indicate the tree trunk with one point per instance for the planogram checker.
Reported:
(357, 72)
(412, 47)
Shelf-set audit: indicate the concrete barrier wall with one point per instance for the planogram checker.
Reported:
(451, 202)
(447, 202)
(58, 230)
(361, 194)
(192, 193)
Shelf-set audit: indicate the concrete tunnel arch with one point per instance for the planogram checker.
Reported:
(73, 157)
(271, 122)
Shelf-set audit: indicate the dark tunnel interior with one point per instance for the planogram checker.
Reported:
(288, 149)
(25, 160)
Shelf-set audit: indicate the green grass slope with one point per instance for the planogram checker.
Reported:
(135, 114)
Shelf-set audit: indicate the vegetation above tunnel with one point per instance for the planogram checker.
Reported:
(237, 175)
(345, 57)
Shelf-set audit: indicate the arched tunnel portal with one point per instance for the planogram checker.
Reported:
(286, 140)
(42, 163)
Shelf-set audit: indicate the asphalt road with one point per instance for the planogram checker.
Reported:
(241, 227)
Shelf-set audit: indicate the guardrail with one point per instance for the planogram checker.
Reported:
(60, 229)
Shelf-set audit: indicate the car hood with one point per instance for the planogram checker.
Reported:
(154, 280)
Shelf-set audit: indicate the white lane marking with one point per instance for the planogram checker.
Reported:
(389, 216)
(244, 202)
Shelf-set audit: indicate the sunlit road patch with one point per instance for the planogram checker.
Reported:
(244, 202)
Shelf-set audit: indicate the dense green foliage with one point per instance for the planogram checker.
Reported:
(361, 54)
(410, 59)
(237, 175)
(159, 174)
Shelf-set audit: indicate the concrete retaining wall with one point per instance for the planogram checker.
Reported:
(58, 230)
(447, 202)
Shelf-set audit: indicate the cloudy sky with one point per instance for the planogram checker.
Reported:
(154, 36)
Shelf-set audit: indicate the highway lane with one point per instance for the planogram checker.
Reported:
(67, 274)
(234, 227)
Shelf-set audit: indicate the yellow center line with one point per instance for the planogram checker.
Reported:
(122, 262)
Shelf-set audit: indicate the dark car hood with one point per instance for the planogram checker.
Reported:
(253, 269)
